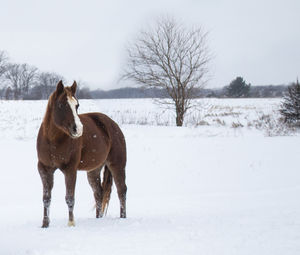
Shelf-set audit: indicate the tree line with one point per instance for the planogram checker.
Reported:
(264, 91)
(24, 81)
(238, 88)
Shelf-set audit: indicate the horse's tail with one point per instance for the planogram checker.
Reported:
(106, 186)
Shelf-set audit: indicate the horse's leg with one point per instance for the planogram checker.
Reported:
(46, 174)
(118, 174)
(95, 182)
(70, 180)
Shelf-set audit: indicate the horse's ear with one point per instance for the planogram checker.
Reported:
(74, 87)
(59, 87)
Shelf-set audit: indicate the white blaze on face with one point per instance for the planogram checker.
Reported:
(79, 127)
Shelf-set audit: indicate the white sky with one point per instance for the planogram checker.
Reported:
(256, 39)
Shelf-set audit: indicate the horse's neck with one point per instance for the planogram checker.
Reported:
(50, 130)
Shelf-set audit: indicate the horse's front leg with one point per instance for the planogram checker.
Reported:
(46, 174)
(70, 180)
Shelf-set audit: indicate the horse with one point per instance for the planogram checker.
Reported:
(70, 141)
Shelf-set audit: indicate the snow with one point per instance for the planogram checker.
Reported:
(209, 189)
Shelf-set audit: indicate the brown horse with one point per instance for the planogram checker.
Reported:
(72, 142)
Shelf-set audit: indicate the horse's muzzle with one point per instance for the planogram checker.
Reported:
(76, 131)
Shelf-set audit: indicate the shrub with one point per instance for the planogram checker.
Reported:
(290, 107)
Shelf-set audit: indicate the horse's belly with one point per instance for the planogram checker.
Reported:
(90, 163)
(93, 158)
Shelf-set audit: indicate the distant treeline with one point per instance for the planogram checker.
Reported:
(255, 92)
(36, 93)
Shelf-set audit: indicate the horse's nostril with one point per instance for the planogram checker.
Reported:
(74, 128)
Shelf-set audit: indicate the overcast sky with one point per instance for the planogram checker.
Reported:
(256, 39)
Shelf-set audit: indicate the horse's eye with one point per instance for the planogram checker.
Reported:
(62, 105)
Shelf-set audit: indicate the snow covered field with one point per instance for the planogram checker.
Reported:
(210, 187)
(21, 119)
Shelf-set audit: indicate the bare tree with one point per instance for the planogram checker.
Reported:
(83, 92)
(12, 76)
(3, 63)
(46, 83)
(172, 57)
(29, 75)
(20, 78)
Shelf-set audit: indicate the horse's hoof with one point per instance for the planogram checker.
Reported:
(71, 223)
(99, 215)
(45, 225)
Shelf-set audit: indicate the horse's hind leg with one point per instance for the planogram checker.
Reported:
(118, 174)
(95, 182)
(47, 180)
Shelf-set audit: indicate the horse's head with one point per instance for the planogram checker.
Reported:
(64, 110)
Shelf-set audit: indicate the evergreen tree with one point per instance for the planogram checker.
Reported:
(238, 88)
(290, 107)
